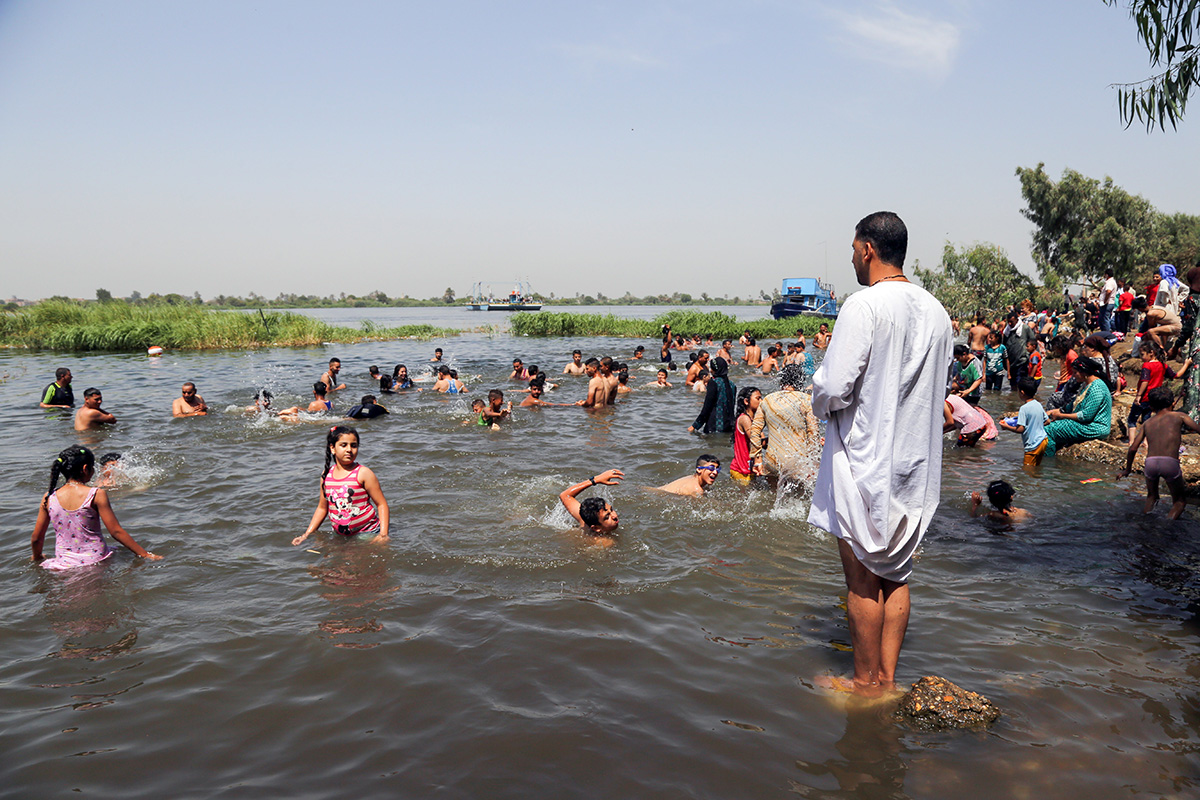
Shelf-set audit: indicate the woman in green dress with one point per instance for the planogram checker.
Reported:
(1091, 417)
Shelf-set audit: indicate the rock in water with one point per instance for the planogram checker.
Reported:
(935, 703)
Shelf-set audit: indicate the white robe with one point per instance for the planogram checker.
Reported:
(882, 386)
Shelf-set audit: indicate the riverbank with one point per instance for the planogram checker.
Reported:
(689, 323)
(119, 327)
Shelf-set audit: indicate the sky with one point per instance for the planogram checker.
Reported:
(585, 147)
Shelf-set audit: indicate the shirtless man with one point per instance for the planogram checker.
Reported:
(800, 337)
(1162, 433)
(189, 404)
(821, 340)
(753, 354)
(697, 484)
(977, 336)
(745, 339)
(437, 355)
(319, 402)
(91, 415)
(723, 351)
(597, 396)
(576, 365)
(519, 373)
(611, 382)
(771, 362)
(597, 518)
(535, 398)
(330, 376)
(701, 363)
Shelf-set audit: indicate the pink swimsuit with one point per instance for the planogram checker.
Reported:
(77, 538)
(350, 509)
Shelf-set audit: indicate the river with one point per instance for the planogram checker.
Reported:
(487, 651)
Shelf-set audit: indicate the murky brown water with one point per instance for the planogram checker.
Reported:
(488, 653)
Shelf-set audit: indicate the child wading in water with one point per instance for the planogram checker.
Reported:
(742, 468)
(76, 512)
(1000, 495)
(1162, 433)
(347, 491)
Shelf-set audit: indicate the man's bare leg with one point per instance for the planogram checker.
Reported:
(1151, 495)
(878, 613)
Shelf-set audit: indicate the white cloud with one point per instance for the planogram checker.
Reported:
(892, 36)
(592, 55)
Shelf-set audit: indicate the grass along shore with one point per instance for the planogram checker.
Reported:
(119, 327)
(688, 323)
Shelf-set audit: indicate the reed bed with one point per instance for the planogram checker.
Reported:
(119, 327)
(688, 323)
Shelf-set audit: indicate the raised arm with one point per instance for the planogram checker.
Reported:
(568, 496)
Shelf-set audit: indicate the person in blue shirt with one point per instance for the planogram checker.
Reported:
(1030, 423)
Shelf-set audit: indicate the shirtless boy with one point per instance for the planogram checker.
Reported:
(978, 336)
(91, 415)
(697, 366)
(595, 515)
(697, 484)
(535, 397)
(611, 381)
(723, 351)
(319, 402)
(1162, 433)
(771, 362)
(576, 365)
(661, 380)
(330, 376)
(753, 354)
(189, 404)
(496, 410)
(821, 340)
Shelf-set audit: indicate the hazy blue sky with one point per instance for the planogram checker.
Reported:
(652, 147)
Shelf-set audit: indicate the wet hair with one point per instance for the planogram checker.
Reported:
(1160, 398)
(61, 373)
(590, 508)
(437, 349)
(639, 349)
(90, 391)
(791, 375)
(478, 402)
(576, 352)
(454, 374)
(884, 231)
(385, 383)
(592, 362)
(109, 458)
(749, 341)
(701, 353)
(518, 361)
(320, 389)
(623, 376)
(960, 350)
(396, 370)
(331, 438)
(661, 372)
(701, 375)
(742, 404)
(1000, 494)
(495, 393)
(70, 464)
(772, 350)
(367, 399)
(263, 395)
(333, 361)
(1027, 386)
(606, 363)
(373, 370)
(443, 370)
(705, 458)
(800, 346)
(533, 370)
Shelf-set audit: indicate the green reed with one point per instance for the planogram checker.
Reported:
(688, 323)
(120, 327)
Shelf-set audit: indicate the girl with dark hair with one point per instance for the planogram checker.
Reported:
(348, 490)
(76, 511)
(741, 469)
(716, 416)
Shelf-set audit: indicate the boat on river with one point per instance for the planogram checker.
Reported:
(519, 299)
(805, 297)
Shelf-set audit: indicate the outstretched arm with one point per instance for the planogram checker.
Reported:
(568, 496)
(115, 529)
(1134, 446)
(317, 518)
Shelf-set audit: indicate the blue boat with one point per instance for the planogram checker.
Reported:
(805, 296)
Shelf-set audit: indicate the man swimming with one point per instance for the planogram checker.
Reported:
(331, 374)
(695, 485)
(697, 366)
(319, 402)
(595, 515)
(576, 365)
(189, 404)
(91, 415)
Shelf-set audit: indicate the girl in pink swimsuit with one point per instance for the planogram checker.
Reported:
(350, 495)
(75, 511)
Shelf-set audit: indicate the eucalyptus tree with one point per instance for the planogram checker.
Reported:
(1167, 28)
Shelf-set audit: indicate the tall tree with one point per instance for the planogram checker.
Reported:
(1085, 226)
(1167, 28)
(979, 278)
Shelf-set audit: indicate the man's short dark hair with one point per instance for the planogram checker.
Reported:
(885, 231)
(1108, 273)
(1027, 386)
(590, 508)
(495, 393)
(443, 370)
(333, 361)
(320, 389)
(61, 373)
(576, 352)
(593, 361)
(1160, 398)
(91, 391)
(367, 400)
(960, 350)
(707, 459)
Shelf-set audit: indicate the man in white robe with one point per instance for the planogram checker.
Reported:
(881, 387)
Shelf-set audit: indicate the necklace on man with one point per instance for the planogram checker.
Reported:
(888, 278)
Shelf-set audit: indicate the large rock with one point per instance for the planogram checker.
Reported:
(935, 703)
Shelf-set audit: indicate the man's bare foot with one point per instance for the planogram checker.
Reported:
(834, 683)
